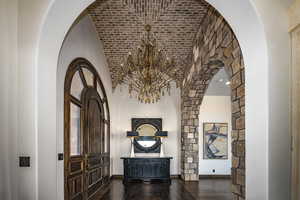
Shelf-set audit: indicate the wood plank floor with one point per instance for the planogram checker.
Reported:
(205, 189)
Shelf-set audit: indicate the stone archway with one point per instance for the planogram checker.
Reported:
(215, 47)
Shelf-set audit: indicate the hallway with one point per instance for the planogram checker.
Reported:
(66, 128)
(205, 189)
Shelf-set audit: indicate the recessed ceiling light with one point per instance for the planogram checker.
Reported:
(221, 80)
(228, 83)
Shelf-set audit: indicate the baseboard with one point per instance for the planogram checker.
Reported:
(120, 176)
(178, 176)
(214, 176)
(175, 176)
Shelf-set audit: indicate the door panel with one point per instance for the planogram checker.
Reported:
(76, 178)
(94, 141)
(87, 128)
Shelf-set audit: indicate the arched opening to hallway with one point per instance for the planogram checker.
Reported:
(220, 45)
(215, 124)
(214, 136)
(76, 11)
(215, 49)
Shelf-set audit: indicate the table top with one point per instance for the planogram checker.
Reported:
(147, 157)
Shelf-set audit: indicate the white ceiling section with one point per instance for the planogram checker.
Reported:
(218, 86)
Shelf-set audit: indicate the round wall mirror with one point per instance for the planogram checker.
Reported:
(146, 130)
(146, 135)
(146, 141)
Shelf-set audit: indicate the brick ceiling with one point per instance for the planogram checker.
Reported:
(120, 30)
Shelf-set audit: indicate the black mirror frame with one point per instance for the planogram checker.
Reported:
(157, 123)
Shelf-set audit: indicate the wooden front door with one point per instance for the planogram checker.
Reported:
(96, 160)
(86, 133)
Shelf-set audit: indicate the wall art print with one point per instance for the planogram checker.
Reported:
(215, 140)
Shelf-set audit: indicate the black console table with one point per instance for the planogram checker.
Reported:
(146, 169)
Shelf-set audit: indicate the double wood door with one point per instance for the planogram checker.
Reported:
(87, 159)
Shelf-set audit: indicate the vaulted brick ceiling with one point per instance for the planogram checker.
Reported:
(120, 30)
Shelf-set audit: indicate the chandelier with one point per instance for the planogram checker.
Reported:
(147, 71)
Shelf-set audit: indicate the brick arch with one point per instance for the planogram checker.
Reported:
(215, 47)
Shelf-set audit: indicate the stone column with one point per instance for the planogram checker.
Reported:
(189, 137)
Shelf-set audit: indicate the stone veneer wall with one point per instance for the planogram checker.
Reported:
(215, 47)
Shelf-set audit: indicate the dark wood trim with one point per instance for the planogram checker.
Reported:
(117, 176)
(95, 82)
(82, 78)
(75, 100)
(175, 176)
(214, 176)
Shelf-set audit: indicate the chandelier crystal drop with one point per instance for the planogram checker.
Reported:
(147, 71)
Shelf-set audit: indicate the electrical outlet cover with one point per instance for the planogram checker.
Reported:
(60, 156)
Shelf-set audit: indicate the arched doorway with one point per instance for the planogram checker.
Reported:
(215, 129)
(213, 50)
(87, 131)
(52, 34)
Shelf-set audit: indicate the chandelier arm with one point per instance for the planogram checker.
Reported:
(137, 84)
(165, 82)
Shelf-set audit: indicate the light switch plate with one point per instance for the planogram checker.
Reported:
(24, 161)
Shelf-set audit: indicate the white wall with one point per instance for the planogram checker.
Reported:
(215, 109)
(125, 108)
(8, 100)
(81, 41)
(279, 138)
(30, 21)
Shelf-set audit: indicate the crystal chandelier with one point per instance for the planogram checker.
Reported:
(147, 71)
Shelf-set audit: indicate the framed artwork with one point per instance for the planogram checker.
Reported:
(215, 138)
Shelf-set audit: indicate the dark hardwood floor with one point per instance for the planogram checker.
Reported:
(205, 189)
